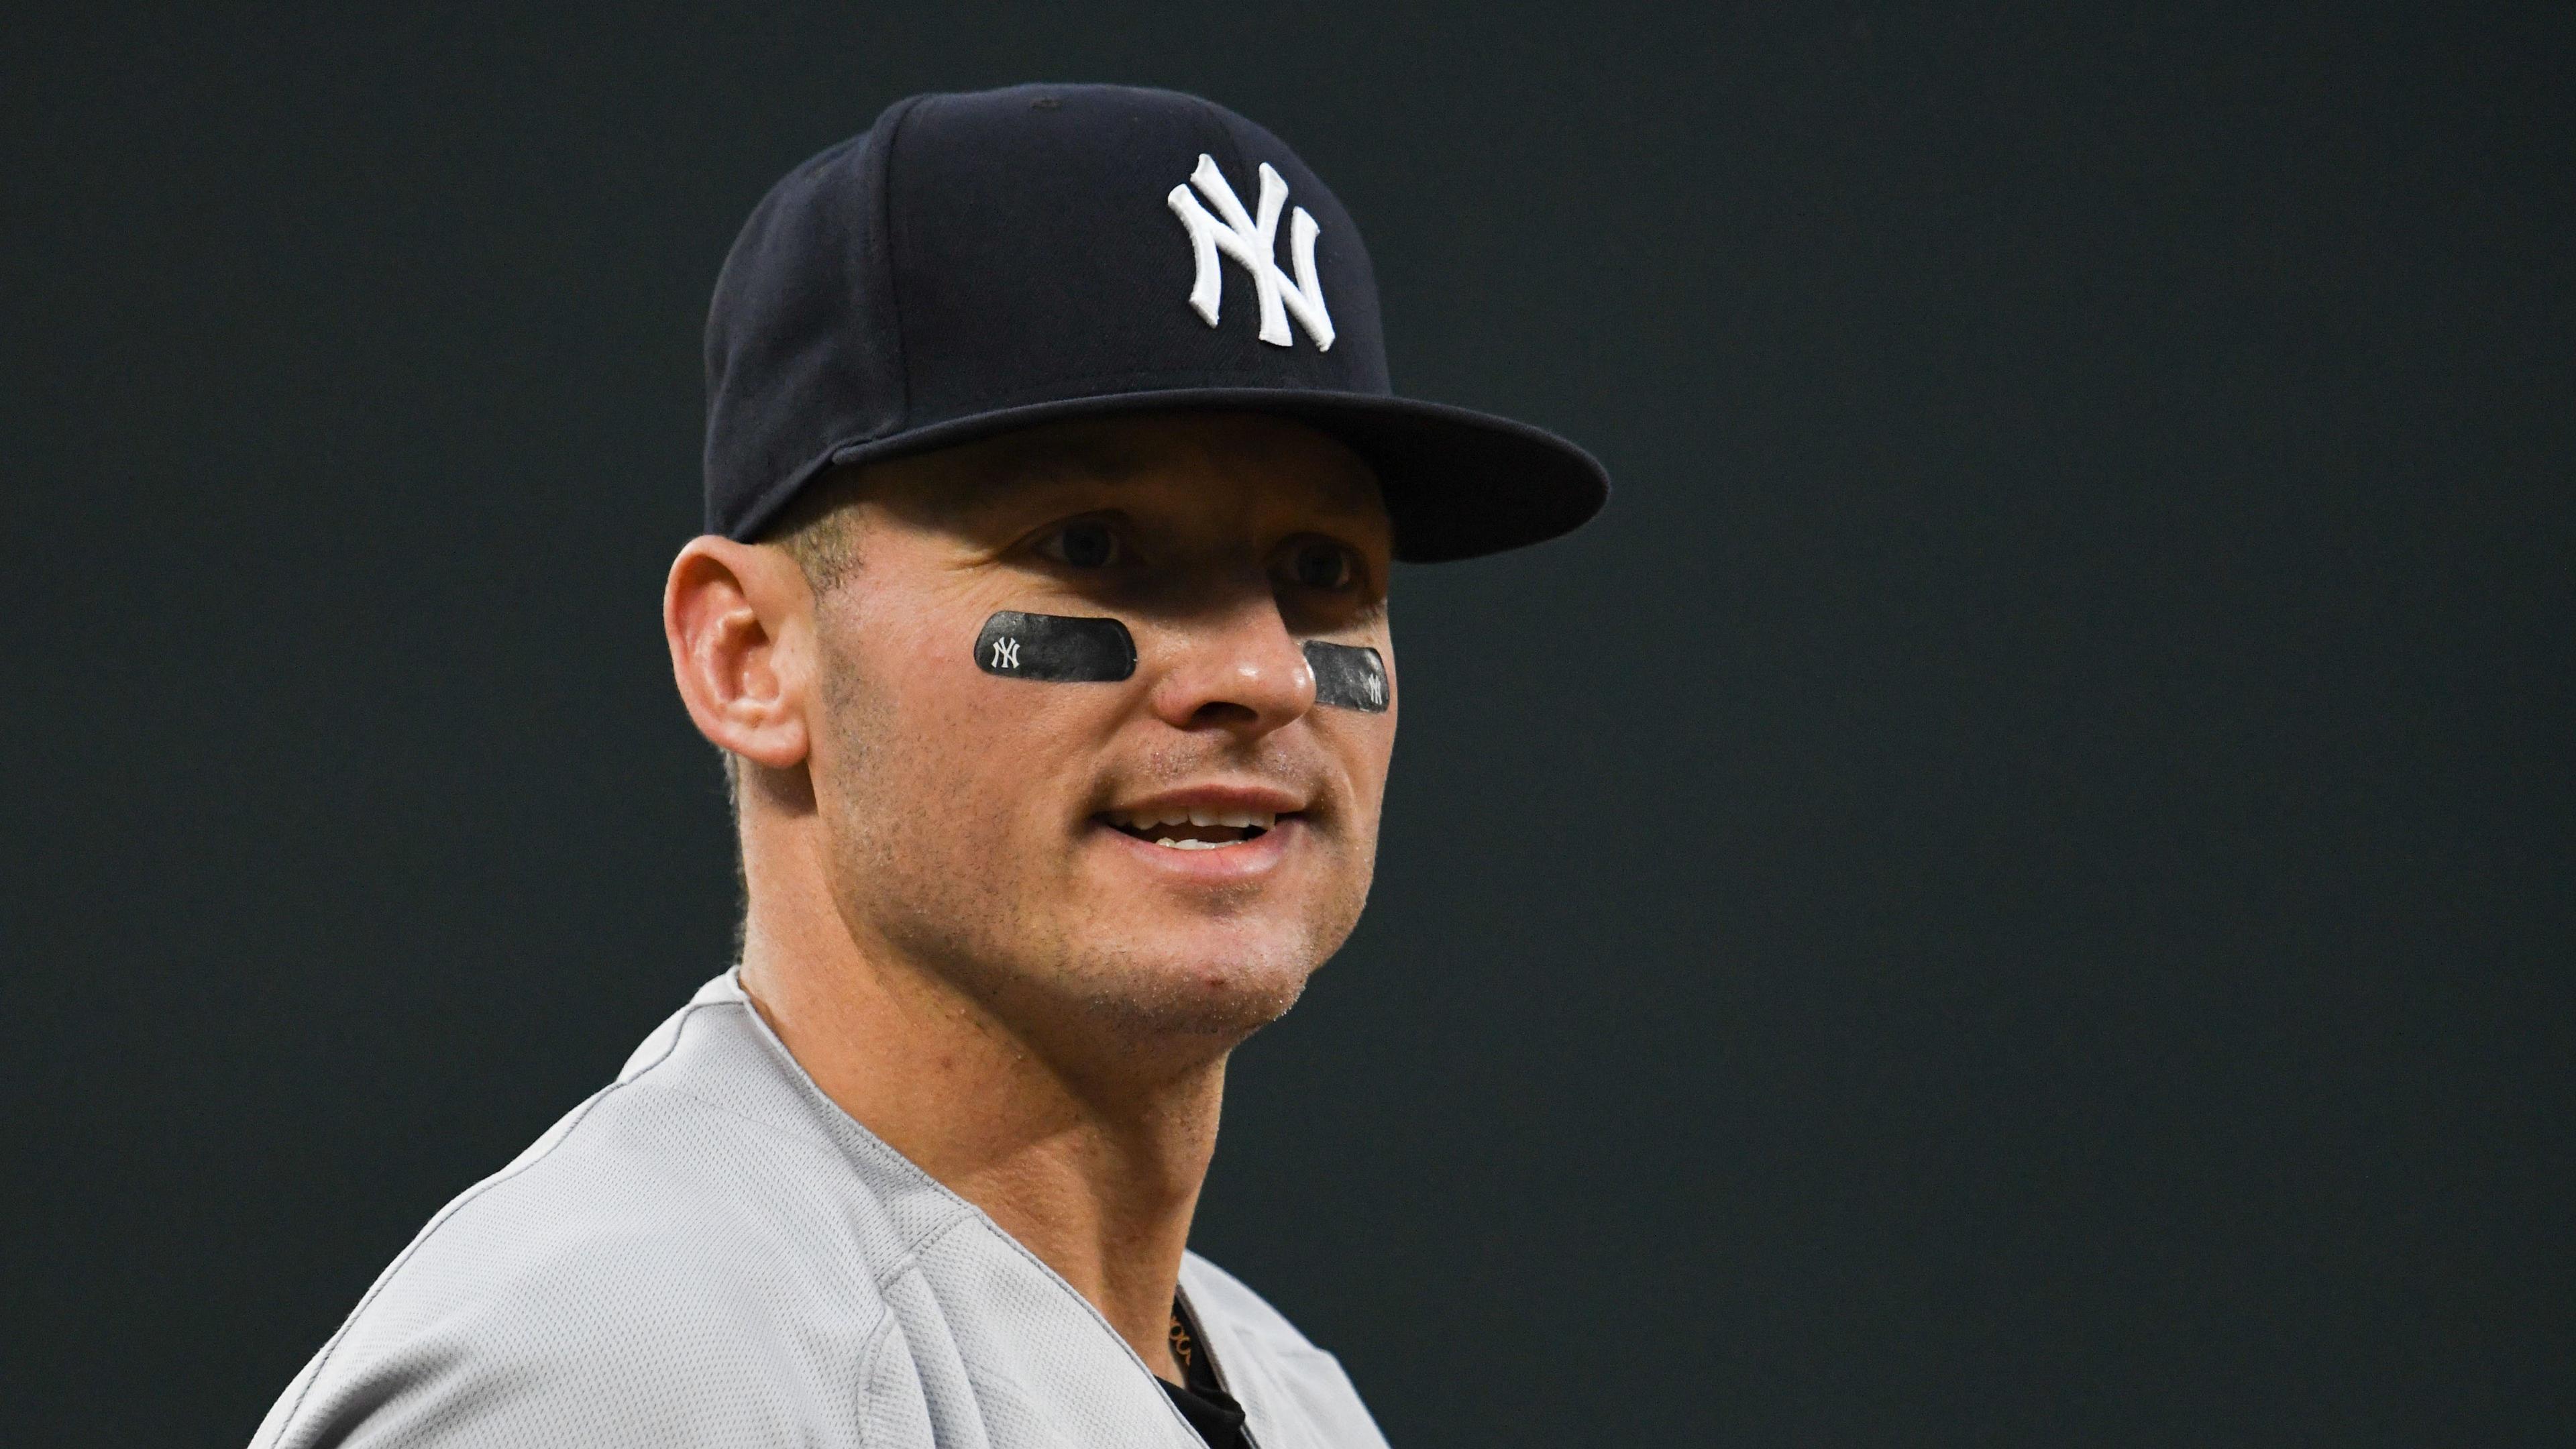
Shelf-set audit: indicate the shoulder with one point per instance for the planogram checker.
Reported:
(1216, 1293)
(654, 1270)
(1274, 1367)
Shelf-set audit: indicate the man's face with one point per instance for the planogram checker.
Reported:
(1000, 832)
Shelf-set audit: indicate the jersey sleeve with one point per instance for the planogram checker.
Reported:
(617, 1343)
(549, 1309)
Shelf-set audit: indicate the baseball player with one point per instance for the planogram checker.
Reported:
(1053, 480)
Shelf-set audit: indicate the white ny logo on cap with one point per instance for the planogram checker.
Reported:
(1250, 242)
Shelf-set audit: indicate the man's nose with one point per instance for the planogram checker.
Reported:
(1238, 670)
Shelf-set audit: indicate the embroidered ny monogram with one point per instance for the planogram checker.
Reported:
(1251, 241)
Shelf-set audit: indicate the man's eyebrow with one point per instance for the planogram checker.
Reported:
(1355, 492)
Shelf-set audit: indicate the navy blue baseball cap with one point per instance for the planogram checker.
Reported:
(975, 263)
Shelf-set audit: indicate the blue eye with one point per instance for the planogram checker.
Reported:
(1084, 544)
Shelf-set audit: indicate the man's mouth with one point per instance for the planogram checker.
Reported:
(1177, 829)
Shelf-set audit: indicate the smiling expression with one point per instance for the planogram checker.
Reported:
(1172, 854)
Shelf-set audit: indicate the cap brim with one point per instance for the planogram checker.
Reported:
(1458, 483)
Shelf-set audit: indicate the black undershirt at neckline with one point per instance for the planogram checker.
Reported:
(1205, 1403)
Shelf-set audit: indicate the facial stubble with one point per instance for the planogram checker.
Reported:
(913, 850)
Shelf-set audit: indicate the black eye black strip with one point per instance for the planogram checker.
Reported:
(1055, 649)
(1348, 676)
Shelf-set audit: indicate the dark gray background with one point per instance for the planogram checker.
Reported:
(2015, 889)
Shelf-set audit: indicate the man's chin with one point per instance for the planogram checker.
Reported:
(1204, 1003)
(1199, 991)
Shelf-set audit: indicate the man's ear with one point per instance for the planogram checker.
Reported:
(739, 620)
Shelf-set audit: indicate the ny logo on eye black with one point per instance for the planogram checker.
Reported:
(1006, 654)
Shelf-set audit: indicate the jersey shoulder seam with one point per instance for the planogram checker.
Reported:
(905, 1256)
(877, 1338)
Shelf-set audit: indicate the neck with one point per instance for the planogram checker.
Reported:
(1092, 1164)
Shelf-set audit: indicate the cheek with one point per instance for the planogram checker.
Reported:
(1363, 747)
(990, 751)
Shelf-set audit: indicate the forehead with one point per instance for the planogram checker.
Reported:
(1246, 462)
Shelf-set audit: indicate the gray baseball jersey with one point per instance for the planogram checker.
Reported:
(710, 1252)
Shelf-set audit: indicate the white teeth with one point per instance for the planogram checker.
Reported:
(1236, 819)
(1194, 844)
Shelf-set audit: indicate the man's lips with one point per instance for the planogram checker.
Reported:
(1204, 818)
(1251, 857)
